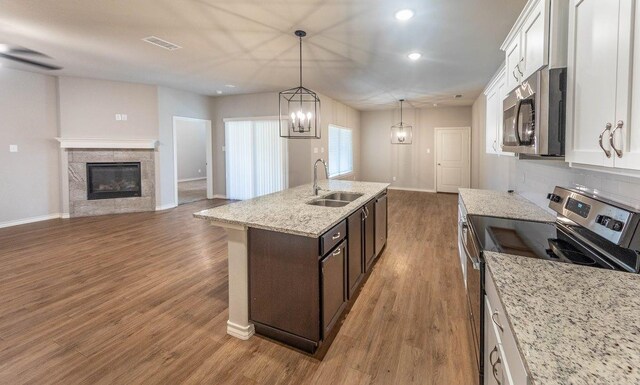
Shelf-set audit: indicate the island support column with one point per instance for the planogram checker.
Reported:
(238, 324)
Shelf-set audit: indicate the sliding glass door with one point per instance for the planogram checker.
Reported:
(256, 158)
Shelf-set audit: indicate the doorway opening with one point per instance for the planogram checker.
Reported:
(192, 154)
(453, 159)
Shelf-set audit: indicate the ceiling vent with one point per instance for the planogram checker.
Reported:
(161, 43)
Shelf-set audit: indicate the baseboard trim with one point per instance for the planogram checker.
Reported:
(65, 215)
(191, 179)
(240, 331)
(411, 189)
(166, 207)
(219, 196)
(30, 220)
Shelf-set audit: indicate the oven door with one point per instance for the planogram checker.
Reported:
(474, 283)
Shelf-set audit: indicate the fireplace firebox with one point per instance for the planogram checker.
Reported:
(113, 180)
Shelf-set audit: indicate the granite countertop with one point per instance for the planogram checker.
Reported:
(287, 212)
(572, 324)
(502, 204)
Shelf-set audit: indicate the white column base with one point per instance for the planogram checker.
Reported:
(238, 324)
(239, 331)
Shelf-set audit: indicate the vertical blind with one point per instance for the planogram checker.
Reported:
(256, 158)
(340, 151)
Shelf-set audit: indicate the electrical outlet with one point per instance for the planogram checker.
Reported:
(322, 150)
(394, 178)
(315, 150)
(428, 151)
(13, 148)
(124, 116)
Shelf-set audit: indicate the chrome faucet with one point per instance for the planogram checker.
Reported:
(315, 175)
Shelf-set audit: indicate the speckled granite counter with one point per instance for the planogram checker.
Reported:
(573, 324)
(286, 211)
(502, 204)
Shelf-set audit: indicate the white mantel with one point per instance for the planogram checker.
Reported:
(90, 143)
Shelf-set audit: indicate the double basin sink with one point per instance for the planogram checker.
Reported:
(336, 199)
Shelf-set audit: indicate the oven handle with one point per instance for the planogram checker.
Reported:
(474, 261)
(516, 128)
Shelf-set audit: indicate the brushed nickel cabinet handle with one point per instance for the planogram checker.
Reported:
(495, 313)
(336, 236)
(611, 135)
(514, 74)
(493, 364)
(606, 152)
(337, 252)
(518, 67)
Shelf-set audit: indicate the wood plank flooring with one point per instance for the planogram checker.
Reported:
(142, 299)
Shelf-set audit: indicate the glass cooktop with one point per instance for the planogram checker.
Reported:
(544, 241)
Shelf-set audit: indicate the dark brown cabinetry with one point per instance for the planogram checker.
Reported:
(381, 222)
(355, 264)
(299, 287)
(369, 234)
(334, 298)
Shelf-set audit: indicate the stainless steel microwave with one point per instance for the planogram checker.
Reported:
(534, 115)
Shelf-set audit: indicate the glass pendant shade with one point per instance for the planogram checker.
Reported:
(401, 133)
(299, 109)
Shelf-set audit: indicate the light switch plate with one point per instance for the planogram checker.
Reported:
(124, 116)
(322, 150)
(13, 148)
(315, 150)
(118, 117)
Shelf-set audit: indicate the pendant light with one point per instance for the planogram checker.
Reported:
(401, 133)
(299, 109)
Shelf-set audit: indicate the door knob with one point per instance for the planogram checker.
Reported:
(439, 164)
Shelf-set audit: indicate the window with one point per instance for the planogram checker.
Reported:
(256, 158)
(340, 151)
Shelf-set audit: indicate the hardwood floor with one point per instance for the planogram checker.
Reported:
(142, 298)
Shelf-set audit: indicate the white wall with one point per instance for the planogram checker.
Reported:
(301, 152)
(412, 165)
(172, 102)
(88, 108)
(30, 178)
(535, 178)
(191, 148)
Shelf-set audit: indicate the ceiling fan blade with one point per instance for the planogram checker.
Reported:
(26, 51)
(30, 62)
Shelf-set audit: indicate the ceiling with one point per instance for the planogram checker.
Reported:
(355, 50)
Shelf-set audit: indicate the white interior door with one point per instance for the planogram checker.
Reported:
(453, 168)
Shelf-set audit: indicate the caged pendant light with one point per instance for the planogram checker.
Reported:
(299, 109)
(401, 133)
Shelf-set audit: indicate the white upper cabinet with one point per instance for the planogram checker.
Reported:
(537, 39)
(602, 121)
(495, 93)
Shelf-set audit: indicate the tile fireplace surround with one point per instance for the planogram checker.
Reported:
(80, 206)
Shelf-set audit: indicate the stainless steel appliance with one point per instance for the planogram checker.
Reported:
(590, 230)
(534, 115)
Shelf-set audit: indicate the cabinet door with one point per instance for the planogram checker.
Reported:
(333, 287)
(355, 266)
(493, 374)
(592, 79)
(511, 64)
(627, 138)
(534, 44)
(491, 121)
(381, 223)
(369, 234)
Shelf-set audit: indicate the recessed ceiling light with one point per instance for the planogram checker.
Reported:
(218, 92)
(414, 55)
(435, 104)
(4, 48)
(230, 86)
(404, 14)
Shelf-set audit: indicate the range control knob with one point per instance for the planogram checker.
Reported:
(610, 223)
(554, 198)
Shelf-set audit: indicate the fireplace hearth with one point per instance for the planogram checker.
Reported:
(113, 180)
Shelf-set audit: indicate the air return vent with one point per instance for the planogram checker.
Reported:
(161, 43)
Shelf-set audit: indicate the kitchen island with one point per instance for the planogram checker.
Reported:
(296, 260)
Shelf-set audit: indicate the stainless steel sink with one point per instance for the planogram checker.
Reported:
(343, 196)
(328, 203)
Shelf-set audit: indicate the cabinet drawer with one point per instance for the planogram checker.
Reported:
(514, 370)
(333, 237)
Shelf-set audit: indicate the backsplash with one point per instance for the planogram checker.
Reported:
(534, 179)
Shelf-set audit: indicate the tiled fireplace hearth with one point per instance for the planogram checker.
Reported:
(117, 191)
